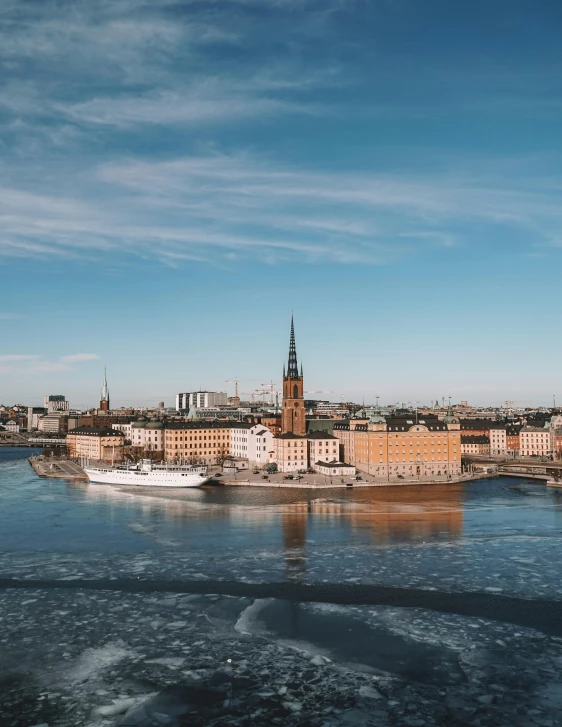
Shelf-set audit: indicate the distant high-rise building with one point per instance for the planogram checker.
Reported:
(201, 399)
(56, 402)
(104, 401)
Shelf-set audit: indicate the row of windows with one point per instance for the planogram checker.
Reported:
(411, 459)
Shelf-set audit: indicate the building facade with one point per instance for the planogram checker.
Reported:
(145, 434)
(475, 444)
(402, 446)
(322, 447)
(95, 443)
(512, 439)
(53, 423)
(535, 442)
(197, 442)
(253, 442)
(201, 400)
(56, 402)
(34, 413)
(291, 452)
(498, 440)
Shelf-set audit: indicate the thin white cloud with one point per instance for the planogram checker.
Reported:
(206, 208)
(79, 357)
(17, 357)
(112, 72)
(15, 363)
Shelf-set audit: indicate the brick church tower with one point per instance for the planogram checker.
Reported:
(293, 414)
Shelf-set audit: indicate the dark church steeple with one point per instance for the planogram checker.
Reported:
(293, 413)
(292, 369)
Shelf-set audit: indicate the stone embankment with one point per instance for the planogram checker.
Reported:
(60, 468)
(316, 482)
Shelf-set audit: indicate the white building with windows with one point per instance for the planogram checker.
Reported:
(127, 430)
(148, 435)
(253, 442)
(201, 399)
(323, 447)
(498, 441)
(56, 402)
(331, 409)
(535, 441)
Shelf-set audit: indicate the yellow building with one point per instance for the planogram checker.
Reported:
(400, 447)
(95, 443)
(475, 445)
(197, 442)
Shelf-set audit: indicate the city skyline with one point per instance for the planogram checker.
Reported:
(179, 176)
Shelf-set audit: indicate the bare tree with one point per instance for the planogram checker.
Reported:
(221, 457)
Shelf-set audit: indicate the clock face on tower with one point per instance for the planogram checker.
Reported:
(296, 404)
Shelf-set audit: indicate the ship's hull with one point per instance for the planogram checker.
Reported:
(152, 478)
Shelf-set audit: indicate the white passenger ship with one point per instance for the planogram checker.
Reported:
(147, 474)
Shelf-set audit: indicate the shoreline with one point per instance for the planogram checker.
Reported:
(354, 485)
(67, 469)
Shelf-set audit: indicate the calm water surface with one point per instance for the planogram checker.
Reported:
(62, 515)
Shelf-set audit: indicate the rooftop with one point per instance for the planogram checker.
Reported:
(96, 432)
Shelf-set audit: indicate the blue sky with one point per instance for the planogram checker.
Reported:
(178, 176)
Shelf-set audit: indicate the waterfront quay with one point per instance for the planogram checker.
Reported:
(62, 468)
(57, 468)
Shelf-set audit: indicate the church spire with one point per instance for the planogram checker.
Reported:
(104, 401)
(292, 369)
(104, 389)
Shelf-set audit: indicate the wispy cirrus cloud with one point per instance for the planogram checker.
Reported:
(121, 110)
(79, 357)
(219, 208)
(15, 363)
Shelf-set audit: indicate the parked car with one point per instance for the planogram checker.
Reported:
(265, 477)
(400, 477)
(288, 477)
(218, 474)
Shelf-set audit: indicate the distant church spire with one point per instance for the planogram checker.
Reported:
(104, 401)
(104, 389)
(292, 369)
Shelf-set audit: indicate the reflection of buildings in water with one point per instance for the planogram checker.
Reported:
(421, 513)
(386, 513)
(392, 513)
(294, 538)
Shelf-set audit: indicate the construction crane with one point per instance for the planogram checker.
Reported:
(249, 393)
(236, 382)
(271, 388)
(263, 392)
